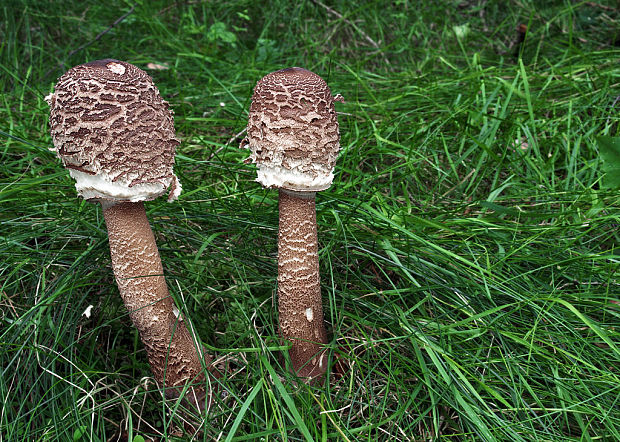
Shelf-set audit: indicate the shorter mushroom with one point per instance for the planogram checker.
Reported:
(115, 134)
(294, 140)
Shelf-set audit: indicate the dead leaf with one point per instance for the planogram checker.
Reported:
(157, 67)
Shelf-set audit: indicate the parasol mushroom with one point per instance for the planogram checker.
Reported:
(294, 140)
(115, 134)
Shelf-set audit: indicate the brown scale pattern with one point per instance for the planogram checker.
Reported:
(103, 121)
(293, 119)
(299, 289)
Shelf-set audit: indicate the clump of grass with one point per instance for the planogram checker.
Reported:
(468, 252)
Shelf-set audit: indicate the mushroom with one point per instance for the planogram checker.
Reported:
(115, 134)
(293, 137)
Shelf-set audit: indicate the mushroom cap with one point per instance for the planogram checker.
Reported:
(293, 131)
(114, 132)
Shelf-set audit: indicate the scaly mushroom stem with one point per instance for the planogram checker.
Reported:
(173, 355)
(299, 288)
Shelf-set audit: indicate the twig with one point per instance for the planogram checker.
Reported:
(236, 136)
(227, 144)
(457, 185)
(603, 7)
(98, 37)
(349, 22)
(353, 25)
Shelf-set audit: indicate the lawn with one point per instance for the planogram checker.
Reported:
(468, 245)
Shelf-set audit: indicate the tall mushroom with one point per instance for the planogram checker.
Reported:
(115, 134)
(293, 137)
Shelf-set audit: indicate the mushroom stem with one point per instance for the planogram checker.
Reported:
(299, 289)
(174, 357)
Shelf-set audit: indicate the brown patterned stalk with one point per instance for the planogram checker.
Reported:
(173, 355)
(300, 308)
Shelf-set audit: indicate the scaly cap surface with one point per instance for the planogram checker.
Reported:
(114, 132)
(293, 131)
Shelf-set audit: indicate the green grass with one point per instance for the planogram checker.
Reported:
(469, 254)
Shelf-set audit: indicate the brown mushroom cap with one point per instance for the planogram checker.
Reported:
(114, 132)
(293, 131)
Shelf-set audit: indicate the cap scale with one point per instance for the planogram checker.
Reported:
(114, 132)
(293, 131)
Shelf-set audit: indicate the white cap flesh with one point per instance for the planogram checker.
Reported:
(100, 187)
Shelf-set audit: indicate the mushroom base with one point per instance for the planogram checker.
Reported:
(175, 358)
(299, 290)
